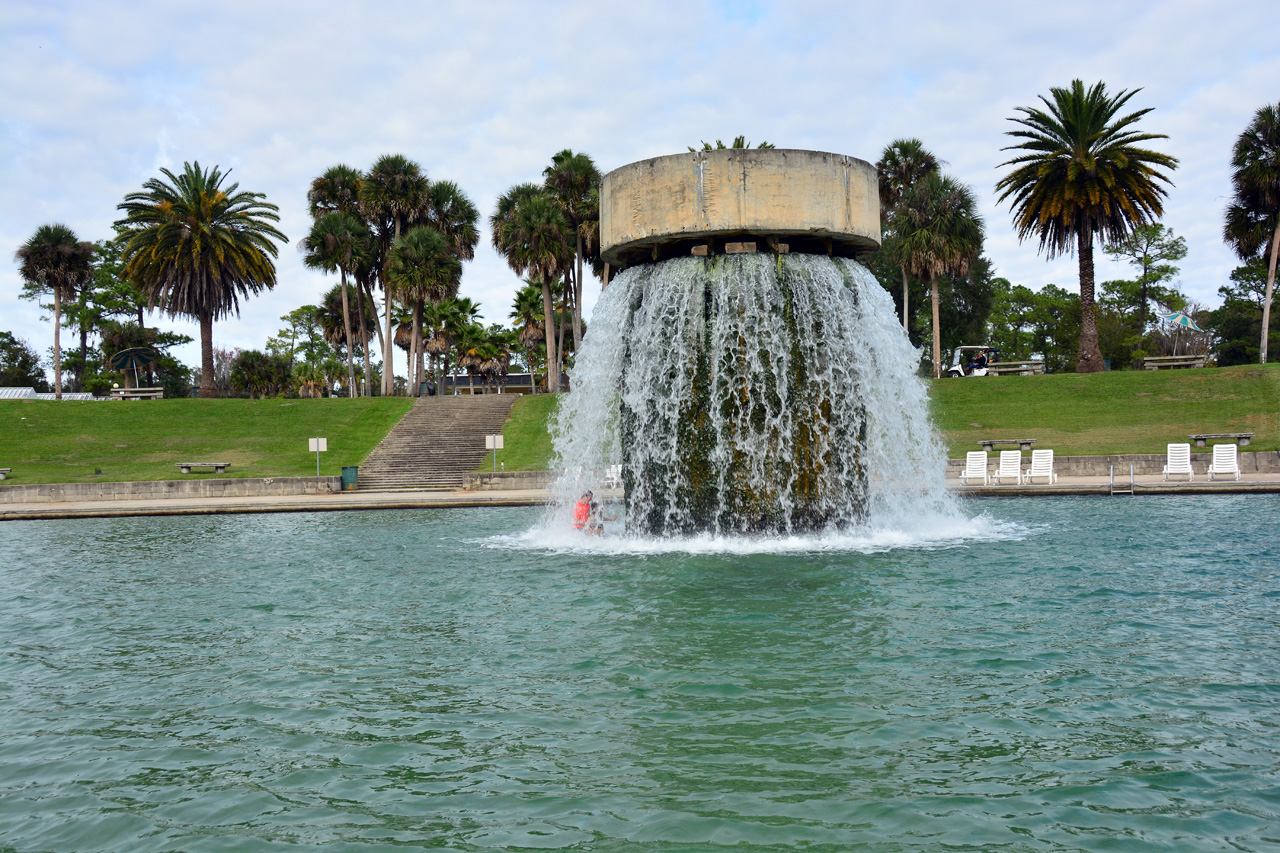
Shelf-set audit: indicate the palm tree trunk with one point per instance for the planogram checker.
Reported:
(84, 342)
(206, 356)
(549, 332)
(366, 291)
(564, 321)
(1266, 302)
(351, 342)
(577, 301)
(419, 371)
(388, 375)
(1089, 359)
(533, 380)
(904, 299)
(937, 330)
(57, 343)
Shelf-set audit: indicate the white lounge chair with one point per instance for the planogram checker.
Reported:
(975, 467)
(1178, 461)
(1225, 461)
(1041, 466)
(1010, 467)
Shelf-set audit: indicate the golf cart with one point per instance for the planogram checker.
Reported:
(972, 361)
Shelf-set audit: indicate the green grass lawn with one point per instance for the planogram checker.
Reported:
(1129, 411)
(46, 442)
(1074, 414)
(526, 442)
(1121, 412)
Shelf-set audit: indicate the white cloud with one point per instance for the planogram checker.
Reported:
(95, 97)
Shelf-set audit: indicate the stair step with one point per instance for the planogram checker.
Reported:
(437, 443)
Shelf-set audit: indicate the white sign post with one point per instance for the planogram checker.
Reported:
(494, 443)
(318, 445)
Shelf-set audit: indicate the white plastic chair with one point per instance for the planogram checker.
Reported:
(1178, 461)
(975, 467)
(1225, 461)
(613, 477)
(1041, 466)
(1010, 467)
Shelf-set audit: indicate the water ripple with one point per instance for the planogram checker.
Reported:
(1048, 675)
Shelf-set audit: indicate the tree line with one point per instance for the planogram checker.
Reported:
(1080, 176)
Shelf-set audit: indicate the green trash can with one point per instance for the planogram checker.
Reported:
(350, 478)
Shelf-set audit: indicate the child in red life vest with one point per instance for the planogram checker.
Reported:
(582, 511)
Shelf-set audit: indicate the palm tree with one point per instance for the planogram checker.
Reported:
(331, 322)
(196, 248)
(338, 189)
(451, 212)
(1253, 218)
(55, 259)
(391, 194)
(574, 182)
(366, 309)
(422, 268)
(1084, 178)
(531, 232)
(448, 210)
(902, 163)
(470, 341)
(941, 233)
(309, 379)
(526, 314)
(456, 315)
(336, 241)
(253, 371)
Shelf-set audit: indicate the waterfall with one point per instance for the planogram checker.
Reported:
(751, 393)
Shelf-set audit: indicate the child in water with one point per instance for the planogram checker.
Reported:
(595, 524)
(582, 511)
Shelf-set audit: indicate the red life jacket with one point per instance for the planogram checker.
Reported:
(581, 512)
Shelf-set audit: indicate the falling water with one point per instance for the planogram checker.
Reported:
(758, 393)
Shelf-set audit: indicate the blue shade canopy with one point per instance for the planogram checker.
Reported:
(1180, 319)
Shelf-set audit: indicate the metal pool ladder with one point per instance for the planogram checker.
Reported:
(1121, 490)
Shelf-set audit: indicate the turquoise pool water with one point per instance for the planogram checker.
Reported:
(1058, 674)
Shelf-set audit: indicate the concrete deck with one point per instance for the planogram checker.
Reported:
(1143, 484)
(337, 501)
(407, 499)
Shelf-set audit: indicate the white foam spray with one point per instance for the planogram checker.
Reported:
(638, 355)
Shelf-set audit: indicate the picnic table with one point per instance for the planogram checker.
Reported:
(218, 467)
(1021, 368)
(1158, 362)
(1023, 443)
(1240, 438)
(137, 393)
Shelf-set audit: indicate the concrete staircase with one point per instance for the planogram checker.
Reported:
(438, 442)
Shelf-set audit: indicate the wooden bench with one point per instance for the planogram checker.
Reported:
(1240, 438)
(1020, 368)
(218, 467)
(1023, 443)
(4, 472)
(1158, 362)
(137, 393)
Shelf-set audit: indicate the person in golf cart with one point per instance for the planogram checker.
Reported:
(979, 359)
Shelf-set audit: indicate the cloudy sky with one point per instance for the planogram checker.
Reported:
(96, 97)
